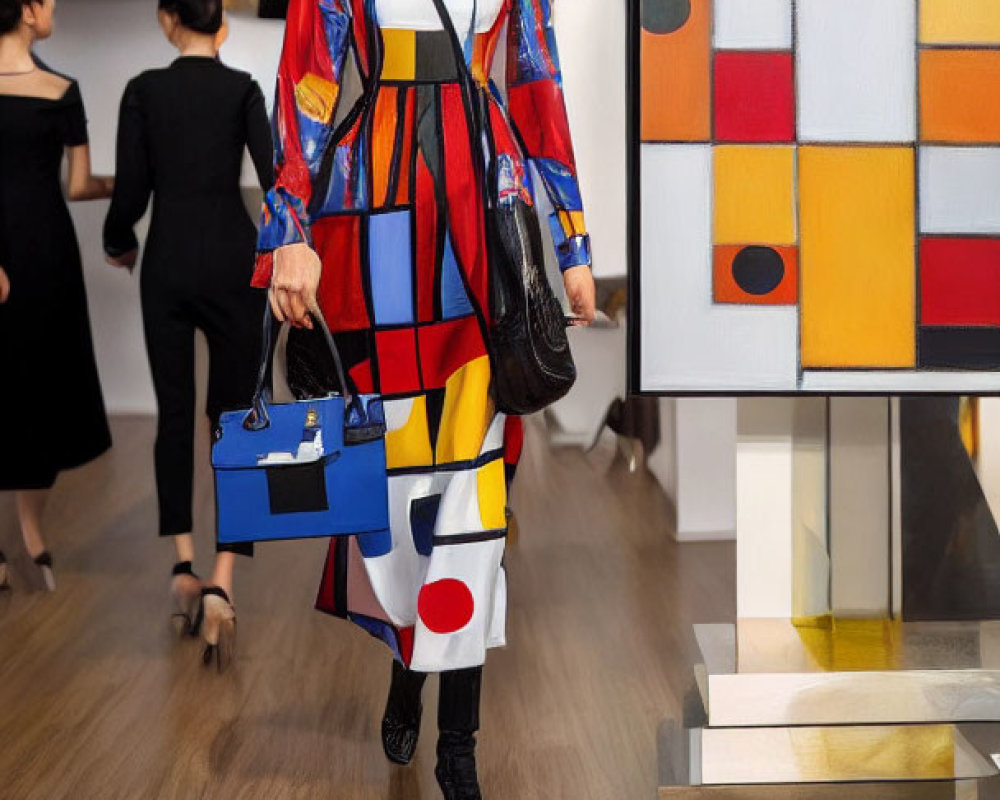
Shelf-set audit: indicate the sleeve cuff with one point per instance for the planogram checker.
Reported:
(283, 222)
(574, 251)
(121, 247)
(263, 270)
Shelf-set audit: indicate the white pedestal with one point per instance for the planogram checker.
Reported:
(814, 508)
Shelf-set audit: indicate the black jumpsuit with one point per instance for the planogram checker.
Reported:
(181, 137)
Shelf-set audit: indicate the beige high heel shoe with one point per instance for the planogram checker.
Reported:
(218, 627)
(185, 592)
(44, 563)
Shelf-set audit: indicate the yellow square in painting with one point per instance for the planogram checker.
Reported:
(858, 287)
(400, 55)
(754, 195)
(960, 21)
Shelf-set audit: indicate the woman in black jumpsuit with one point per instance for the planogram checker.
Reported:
(181, 138)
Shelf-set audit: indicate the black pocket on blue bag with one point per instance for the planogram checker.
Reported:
(297, 489)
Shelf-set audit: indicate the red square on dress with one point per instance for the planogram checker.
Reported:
(397, 361)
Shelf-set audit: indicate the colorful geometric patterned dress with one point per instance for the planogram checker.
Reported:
(391, 197)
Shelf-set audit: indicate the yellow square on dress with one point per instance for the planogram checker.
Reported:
(491, 482)
(400, 55)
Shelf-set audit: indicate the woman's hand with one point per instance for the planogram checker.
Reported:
(297, 271)
(125, 260)
(4, 286)
(582, 293)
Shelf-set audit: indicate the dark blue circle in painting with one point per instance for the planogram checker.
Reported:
(758, 270)
(665, 16)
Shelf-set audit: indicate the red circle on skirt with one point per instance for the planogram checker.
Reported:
(446, 606)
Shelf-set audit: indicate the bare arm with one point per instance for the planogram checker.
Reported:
(4, 286)
(81, 184)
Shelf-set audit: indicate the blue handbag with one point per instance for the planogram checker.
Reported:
(313, 468)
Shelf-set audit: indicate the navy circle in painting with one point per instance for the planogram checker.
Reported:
(758, 270)
(665, 16)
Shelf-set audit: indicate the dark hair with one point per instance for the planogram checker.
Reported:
(10, 14)
(200, 16)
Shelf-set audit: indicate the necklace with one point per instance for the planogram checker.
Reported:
(16, 74)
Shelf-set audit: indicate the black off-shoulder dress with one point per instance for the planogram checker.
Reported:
(51, 409)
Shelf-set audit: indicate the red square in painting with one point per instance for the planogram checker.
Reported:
(959, 282)
(754, 97)
(397, 361)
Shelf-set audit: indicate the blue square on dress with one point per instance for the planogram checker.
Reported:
(423, 520)
(390, 262)
(454, 298)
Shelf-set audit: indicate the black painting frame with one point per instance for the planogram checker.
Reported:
(634, 263)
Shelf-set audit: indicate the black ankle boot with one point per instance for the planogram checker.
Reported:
(403, 711)
(458, 721)
(456, 766)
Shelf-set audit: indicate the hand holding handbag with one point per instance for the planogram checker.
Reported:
(313, 468)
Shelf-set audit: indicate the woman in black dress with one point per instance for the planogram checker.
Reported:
(51, 406)
(181, 138)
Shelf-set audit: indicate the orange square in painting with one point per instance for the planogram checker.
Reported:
(676, 67)
(759, 275)
(960, 96)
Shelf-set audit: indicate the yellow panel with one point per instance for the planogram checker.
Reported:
(572, 222)
(316, 97)
(960, 21)
(491, 481)
(400, 55)
(858, 269)
(468, 410)
(410, 446)
(754, 195)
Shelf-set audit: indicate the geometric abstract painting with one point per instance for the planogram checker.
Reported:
(817, 195)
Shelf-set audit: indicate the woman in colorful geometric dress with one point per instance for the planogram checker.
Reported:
(380, 214)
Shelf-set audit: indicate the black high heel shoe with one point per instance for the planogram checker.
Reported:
(456, 766)
(4, 577)
(185, 592)
(403, 712)
(217, 621)
(44, 563)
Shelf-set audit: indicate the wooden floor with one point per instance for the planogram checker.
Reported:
(98, 699)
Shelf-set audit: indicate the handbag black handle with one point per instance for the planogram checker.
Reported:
(258, 418)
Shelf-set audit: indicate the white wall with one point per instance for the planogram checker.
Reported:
(592, 38)
(103, 43)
